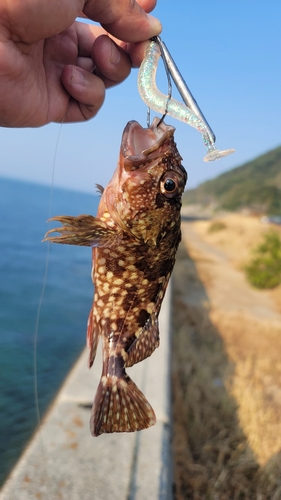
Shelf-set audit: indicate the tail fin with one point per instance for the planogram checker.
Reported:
(120, 406)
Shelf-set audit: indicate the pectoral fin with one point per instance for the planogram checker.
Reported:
(84, 230)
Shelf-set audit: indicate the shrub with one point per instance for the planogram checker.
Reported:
(215, 226)
(264, 270)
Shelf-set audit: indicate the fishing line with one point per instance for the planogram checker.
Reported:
(39, 309)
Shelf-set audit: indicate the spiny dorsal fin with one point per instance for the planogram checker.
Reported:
(100, 188)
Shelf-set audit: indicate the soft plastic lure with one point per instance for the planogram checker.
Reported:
(164, 104)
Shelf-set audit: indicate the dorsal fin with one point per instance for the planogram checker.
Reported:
(100, 188)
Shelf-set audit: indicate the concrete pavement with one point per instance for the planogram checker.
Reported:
(64, 462)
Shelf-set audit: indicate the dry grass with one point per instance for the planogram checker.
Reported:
(255, 382)
(226, 402)
(240, 235)
(259, 396)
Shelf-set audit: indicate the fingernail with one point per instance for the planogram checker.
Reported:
(77, 76)
(115, 54)
(155, 24)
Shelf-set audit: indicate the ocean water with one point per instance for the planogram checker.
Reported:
(24, 209)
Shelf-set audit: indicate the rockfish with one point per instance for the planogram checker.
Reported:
(134, 236)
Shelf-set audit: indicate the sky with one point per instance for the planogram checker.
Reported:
(229, 53)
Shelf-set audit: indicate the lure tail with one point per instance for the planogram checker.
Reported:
(120, 406)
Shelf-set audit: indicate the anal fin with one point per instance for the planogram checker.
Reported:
(145, 343)
(92, 338)
(120, 406)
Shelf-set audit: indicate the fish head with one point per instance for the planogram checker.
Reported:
(144, 195)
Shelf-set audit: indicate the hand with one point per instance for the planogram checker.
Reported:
(47, 58)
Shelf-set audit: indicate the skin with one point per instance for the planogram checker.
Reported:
(53, 68)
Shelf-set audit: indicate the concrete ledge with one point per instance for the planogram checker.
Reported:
(63, 461)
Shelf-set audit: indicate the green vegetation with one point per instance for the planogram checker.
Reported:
(264, 270)
(216, 226)
(255, 185)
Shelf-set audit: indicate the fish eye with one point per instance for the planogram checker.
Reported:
(169, 185)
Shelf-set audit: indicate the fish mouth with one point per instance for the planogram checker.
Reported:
(139, 144)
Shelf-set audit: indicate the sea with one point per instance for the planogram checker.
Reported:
(45, 297)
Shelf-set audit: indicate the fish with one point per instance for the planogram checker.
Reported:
(134, 239)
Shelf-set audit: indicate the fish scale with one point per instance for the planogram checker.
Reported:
(134, 236)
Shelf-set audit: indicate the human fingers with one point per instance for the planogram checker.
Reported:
(85, 63)
(87, 91)
(112, 63)
(110, 60)
(124, 19)
(31, 21)
(147, 5)
(136, 52)
(89, 34)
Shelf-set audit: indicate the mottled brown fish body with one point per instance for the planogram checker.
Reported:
(135, 236)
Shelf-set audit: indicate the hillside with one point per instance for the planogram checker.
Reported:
(255, 185)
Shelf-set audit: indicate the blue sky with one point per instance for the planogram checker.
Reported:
(230, 56)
